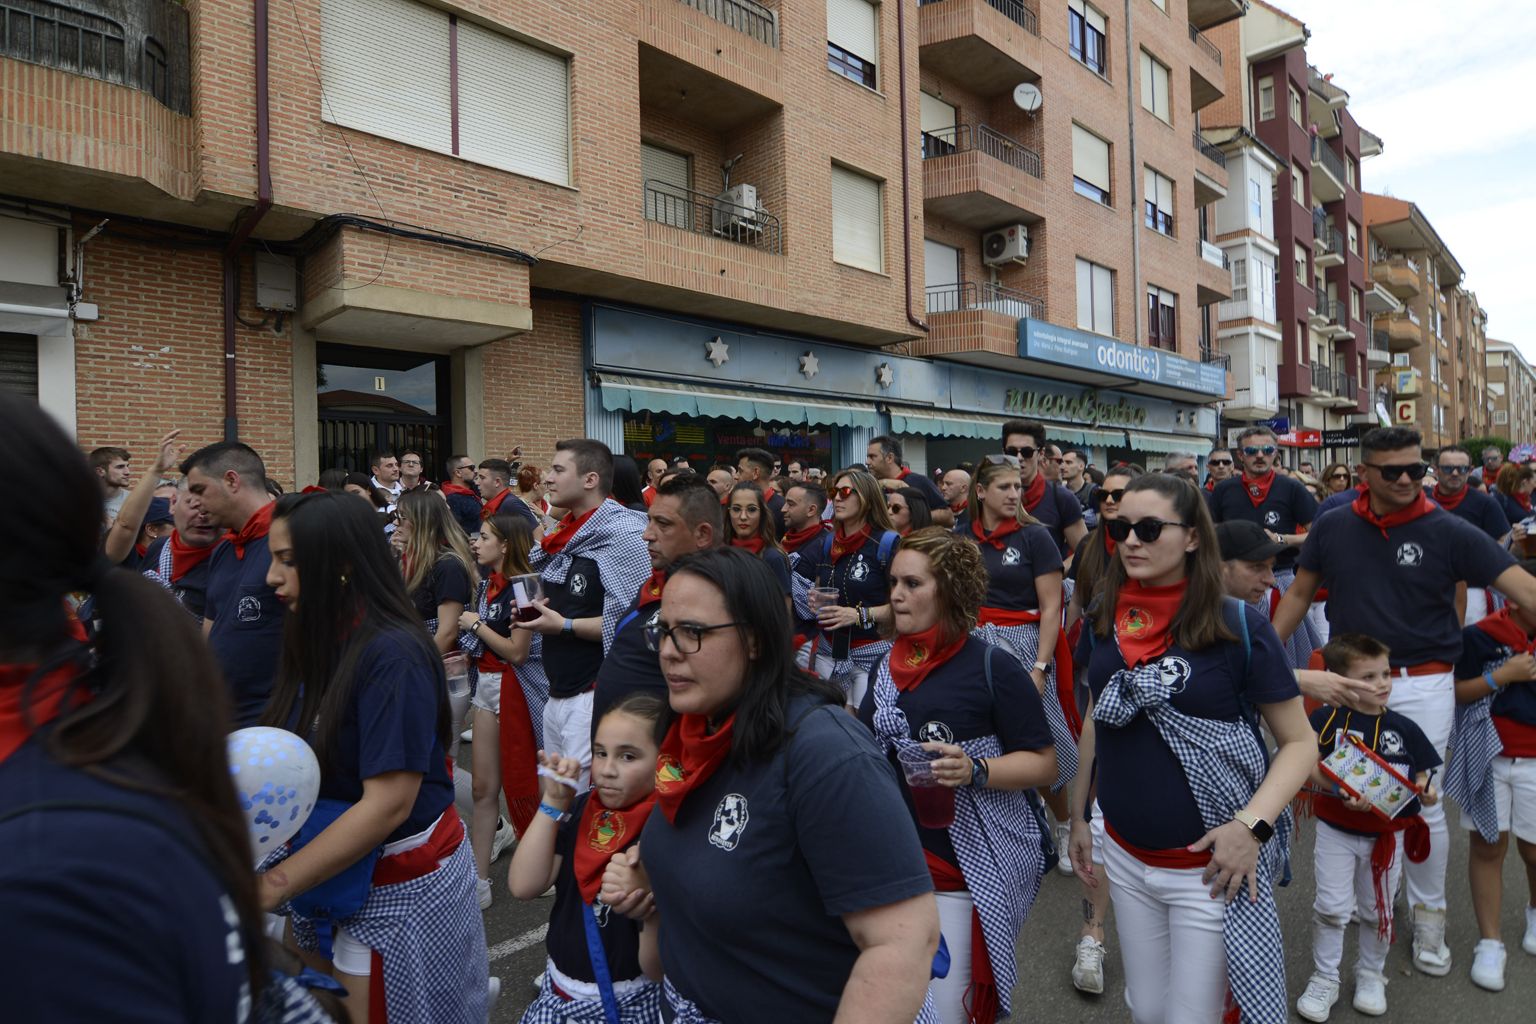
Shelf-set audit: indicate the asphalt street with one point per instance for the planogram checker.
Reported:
(515, 934)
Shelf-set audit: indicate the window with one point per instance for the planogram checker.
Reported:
(1354, 303)
(1090, 165)
(938, 126)
(1086, 31)
(1266, 97)
(666, 178)
(1301, 263)
(1256, 204)
(1154, 87)
(1159, 203)
(1239, 280)
(1263, 284)
(856, 220)
(1095, 298)
(1352, 171)
(1295, 103)
(386, 70)
(941, 276)
(1354, 237)
(1162, 319)
(853, 39)
(1298, 184)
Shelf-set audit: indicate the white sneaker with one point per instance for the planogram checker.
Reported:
(483, 892)
(1529, 942)
(1370, 993)
(1488, 965)
(1088, 970)
(503, 838)
(492, 991)
(1063, 838)
(1430, 953)
(1317, 1001)
(468, 735)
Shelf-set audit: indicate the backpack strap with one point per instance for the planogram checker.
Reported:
(888, 541)
(987, 662)
(1232, 608)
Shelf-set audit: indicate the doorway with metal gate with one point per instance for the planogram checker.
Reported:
(376, 399)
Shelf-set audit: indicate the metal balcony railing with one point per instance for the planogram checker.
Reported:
(1211, 49)
(1015, 11)
(963, 138)
(704, 214)
(1211, 152)
(1328, 242)
(1345, 385)
(745, 16)
(1209, 355)
(1380, 344)
(1323, 154)
(142, 45)
(1322, 378)
(954, 298)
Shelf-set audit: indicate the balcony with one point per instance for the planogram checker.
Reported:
(1379, 300)
(1327, 187)
(987, 46)
(716, 216)
(982, 295)
(1207, 83)
(714, 63)
(1328, 247)
(1213, 274)
(1398, 274)
(752, 19)
(1210, 152)
(1379, 352)
(1335, 319)
(1403, 330)
(976, 319)
(1204, 14)
(1333, 387)
(143, 46)
(1318, 315)
(980, 178)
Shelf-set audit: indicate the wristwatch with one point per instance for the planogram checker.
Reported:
(1041, 666)
(1261, 829)
(979, 772)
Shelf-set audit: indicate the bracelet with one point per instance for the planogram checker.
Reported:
(554, 812)
(1488, 678)
(474, 627)
(568, 628)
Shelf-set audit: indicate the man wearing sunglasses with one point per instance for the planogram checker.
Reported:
(884, 457)
(1218, 467)
(1051, 503)
(1394, 563)
(1453, 467)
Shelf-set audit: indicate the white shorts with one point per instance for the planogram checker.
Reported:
(1514, 791)
(487, 693)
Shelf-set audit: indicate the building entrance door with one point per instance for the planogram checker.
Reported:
(374, 399)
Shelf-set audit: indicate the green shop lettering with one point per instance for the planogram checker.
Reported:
(1082, 408)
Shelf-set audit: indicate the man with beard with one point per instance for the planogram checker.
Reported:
(179, 563)
(493, 479)
(1052, 504)
(463, 498)
(111, 466)
(804, 524)
(884, 458)
(1452, 493)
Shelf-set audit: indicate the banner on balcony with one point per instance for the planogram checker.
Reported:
(1301, 439)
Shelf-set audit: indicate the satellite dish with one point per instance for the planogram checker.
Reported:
(1027, 97)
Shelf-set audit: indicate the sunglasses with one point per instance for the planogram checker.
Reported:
(1006, 460)
(1218, 462)
(1344, 475)
(843, 492)
(1415, 471)
(1147, 530)
(1058, 459)
(1455, 470)
(1268, 449)
(1114, 495)
(1021, 452)
(895, 509)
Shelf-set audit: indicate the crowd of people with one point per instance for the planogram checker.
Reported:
(864, 710)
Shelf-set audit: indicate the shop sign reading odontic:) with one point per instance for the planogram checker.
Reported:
(1085, 407)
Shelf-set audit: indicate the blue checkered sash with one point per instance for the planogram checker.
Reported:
(686, 1011)
(1304, 639)
(1469, 771)
(641, 1006)
(612, 539)
(1023, 642)
(1224, 765)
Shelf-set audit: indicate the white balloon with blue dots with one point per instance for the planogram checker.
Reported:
(277, 779)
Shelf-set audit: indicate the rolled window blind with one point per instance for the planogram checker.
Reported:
(514, 105)
(856, 230)
(384, 66)
(1090, 158)
(854, 25)
(938, 117)
(665, 175)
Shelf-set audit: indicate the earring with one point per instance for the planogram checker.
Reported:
(343, 579)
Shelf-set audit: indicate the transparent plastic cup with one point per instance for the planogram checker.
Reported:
(934, 803)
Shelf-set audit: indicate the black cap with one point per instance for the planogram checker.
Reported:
(1247, 542)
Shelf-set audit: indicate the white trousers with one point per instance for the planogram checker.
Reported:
(948, 992)
(1317, 614)
(1341, 863)
(858, 678)
(1430, 702)
(1158, 911)
(568, 731)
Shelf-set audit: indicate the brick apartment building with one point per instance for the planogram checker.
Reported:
(1512, 392)
(676, 225)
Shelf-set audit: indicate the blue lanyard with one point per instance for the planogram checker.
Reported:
(600, 965)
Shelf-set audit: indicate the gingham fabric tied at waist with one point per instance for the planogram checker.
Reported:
(1023, 643)
(995, 836)
(862, 659)
(612, 539)
(683, 1010)
(466, 642)
(642, 1005)
(1469, 772)
(1224, 765)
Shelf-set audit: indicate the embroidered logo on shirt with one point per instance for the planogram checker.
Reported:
(730, 822)
(917, 656)
(249, 609)
(1390, 744)
(935, 732)
(578, 584)
(1410, 554)
(607, 831)
(1271, 518)
(668, 772)
(1134, 621)
(1010, 556)
(1175, 672)
(860, 570)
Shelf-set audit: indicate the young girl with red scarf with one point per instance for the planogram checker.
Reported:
(752, 529)
(594, 950)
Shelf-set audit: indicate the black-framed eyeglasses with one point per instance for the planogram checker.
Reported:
(1415, 470)
(1006, 460)
(1057, 459)
(1267, 449)
(1022, 452)
(895, 510)
(1218, 462)
(1147, 530)
(687, 637)
(1455, 470)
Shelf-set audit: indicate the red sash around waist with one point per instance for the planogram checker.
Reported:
(422, 860)
(1177, 859)
(987, 615)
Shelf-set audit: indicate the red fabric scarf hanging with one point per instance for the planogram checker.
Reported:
(46, 703)
(981, 997)
(959, 508)
(489, 660)
(184, 557)
(1450, 501)
(1035, 492)
(794, 540)
(1258, 490)
(753, 544)
(554, 542)
(519, 753)
(768, 494)
(1210, 483)
(1420, 506)
(601, 833)
(1502, 628)
(452, 488)
(915, 655)
(1143, 617)
(689, 756)
(848, 543)
(1524, 501)
(650, 590)
(1109, 544)
(254, 529)
(995, 538)
(494, 505)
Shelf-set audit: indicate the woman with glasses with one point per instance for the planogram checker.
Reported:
(383, 861)
(439, 570)
(779, 806)
(752, 530)
(981, 721)
(1337, 478)
(909, 510)
(1195, 811)
(849, 588)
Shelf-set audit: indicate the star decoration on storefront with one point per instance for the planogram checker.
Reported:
(809, 365)
(717, 351)
(884, 375)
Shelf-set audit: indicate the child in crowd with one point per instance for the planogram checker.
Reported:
(568, 845)
(1355, 859)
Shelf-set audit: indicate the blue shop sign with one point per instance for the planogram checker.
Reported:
(1065, 346)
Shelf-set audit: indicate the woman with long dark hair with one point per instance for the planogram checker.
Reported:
(978, 715)
(363, 685)
(440, 572)
(752, 530)
(909, 510)
(1196, 814)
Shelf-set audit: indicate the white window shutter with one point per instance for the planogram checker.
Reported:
(664, 175)
(1160, 86)
(856, 222)
(1103, 300)
(1146, 81)
(938, 117)
(1084, 295)
(514, 105)
(384, 66)
(854, 25)
(1090, 158)
(1095, 19)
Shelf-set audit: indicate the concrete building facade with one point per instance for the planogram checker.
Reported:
(1512, 392)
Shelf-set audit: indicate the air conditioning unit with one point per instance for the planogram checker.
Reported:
(1005, 245)
(736, 211)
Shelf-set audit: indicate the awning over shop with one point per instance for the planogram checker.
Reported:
(34, 309)
(943, 423)
(1165, 444)
(641, 394)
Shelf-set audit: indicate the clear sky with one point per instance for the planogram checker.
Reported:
(1451, 89)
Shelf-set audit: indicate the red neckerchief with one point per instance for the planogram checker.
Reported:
(1420, 507)
(601, 833)
(914, 655)
(1504, 630)
(648, 495)
(995, 538)
(650, 590)
(184, 557)
(1109, 544)
(1448, 501)
(847, 543)
(494, 505)
(313, 489)
(1143, 617)
(752, 544)
(768, 493)
(1034, 492)
(46, 704)
(1523, 500)
(139, 549)
(1210, 483)
(453, 488)
(961, 508)
(689, 756)
(494, 586)
(554, 542)
(1258, 490)
(794, 540)
(254, 529)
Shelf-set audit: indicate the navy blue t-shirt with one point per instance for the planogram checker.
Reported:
(1057, 510)
(1287, 507)
(465, 509)
(1333, 501)
(953, 705)
(89, 928)
(778, 563)
(1394, 738)
(1401, 588)
(1481, 652)
(566, 939)
(445, 582)
(765, 858)
(1479, 510)
(1142, 788)
(630, 665)
(247, 632)
(1513, 510)
(1027, 552)
(192, 589)
(860, 578)
(923, 484)
(570, 662)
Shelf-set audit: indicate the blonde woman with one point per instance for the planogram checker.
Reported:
(439, 570)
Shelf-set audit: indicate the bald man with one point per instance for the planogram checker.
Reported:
(956, 488)
(653, 474)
